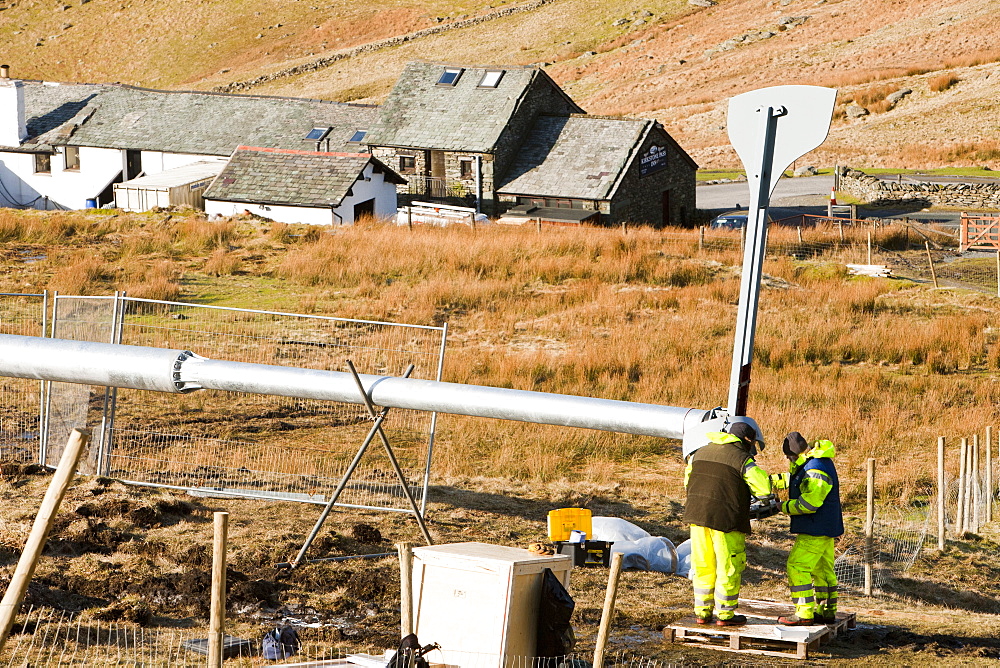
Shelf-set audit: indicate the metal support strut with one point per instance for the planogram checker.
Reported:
(378, 418)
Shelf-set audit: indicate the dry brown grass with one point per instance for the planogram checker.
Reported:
(943, 82)
(222, 263)
(638, 316)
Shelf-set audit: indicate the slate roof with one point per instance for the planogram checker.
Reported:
(579, 157)
(290, 177)
(124, 117)
(48, 107)
(420, 113)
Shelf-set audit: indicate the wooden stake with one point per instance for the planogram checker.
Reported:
(61, 481)
(217, 619)
(869, 246)
(998, 273)
(869, 525)
(609, 609)
(927, 247)
(799, 230)
(976, 500)
(941, 492)
(701, 239)
(960, 514)
(989, 473)
(405, 551)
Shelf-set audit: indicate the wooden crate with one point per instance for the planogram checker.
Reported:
(761, 634)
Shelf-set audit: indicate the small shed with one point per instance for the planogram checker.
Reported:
(309, 187)
(180, 186)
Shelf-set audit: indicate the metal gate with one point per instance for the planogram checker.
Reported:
(237, 444)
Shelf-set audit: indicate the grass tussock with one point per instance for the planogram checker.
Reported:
(964, 153)
(942, 82)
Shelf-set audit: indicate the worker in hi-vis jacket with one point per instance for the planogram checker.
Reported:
(814, 506)
(720, 479)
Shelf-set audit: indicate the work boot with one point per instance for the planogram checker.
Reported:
(793, 620)
(707, 619)
(826, 617)
(735, 620)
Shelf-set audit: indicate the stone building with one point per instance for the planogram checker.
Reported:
(509, 140)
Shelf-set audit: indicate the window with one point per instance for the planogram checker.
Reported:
(72, 157)
(491, 79)
(358, 137)
(43, 163)
(407, 164)
(317, 134)
(465, 168)
(450, 76)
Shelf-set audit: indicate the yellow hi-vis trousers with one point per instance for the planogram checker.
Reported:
(811, 577)
(717, 559)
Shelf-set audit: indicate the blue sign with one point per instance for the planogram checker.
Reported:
(653, 160)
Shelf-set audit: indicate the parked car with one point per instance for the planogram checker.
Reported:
(733, 220)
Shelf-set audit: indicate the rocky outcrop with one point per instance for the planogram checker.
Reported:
(876, 191)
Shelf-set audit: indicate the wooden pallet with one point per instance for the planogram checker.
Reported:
(761, 634)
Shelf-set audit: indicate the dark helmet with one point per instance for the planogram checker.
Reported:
(794, 445)
(746, 433)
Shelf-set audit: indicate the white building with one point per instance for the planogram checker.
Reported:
(289, 186)
(65, 146)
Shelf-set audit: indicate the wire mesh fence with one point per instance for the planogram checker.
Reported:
(46, 637)
(235, 443)
(20, 421)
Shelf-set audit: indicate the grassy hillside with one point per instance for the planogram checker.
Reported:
(665, 59)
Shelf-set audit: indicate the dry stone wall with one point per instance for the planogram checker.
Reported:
(867, 188)
(326, 61)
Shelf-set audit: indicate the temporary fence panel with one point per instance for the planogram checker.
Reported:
(236, 444)
(71, 406)
(21, 421)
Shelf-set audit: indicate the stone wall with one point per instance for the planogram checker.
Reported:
(326, 61)
(878, 192)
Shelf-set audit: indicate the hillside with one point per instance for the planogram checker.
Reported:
(668, 59)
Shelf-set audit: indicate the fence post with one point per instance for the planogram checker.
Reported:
(841, 226)
(998, 272)
(217, 618)
(701, 242)
(409, 217)
(799, 230)
(941, 493)
(976, 492)
(869, 246)
(743, 237)
(609, 608)
(989, 474)
(869, 524)
(960, 514)
(26, 564)
(927, 247)
(405, 588)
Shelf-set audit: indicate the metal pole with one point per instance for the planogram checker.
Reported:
(869, 525)
(392, 456)
(217, 619)
(44, 520)
(434, 415)
(179, 371)
(753, 263)
(609, 608)
(941, 492)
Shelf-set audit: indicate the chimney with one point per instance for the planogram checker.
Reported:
(4, 71)
(13, 130)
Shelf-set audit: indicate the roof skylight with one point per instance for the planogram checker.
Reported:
(491, 79)
(450, 76)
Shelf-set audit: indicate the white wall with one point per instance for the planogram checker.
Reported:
(383, 193)
(281, 214)
(59, 188)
